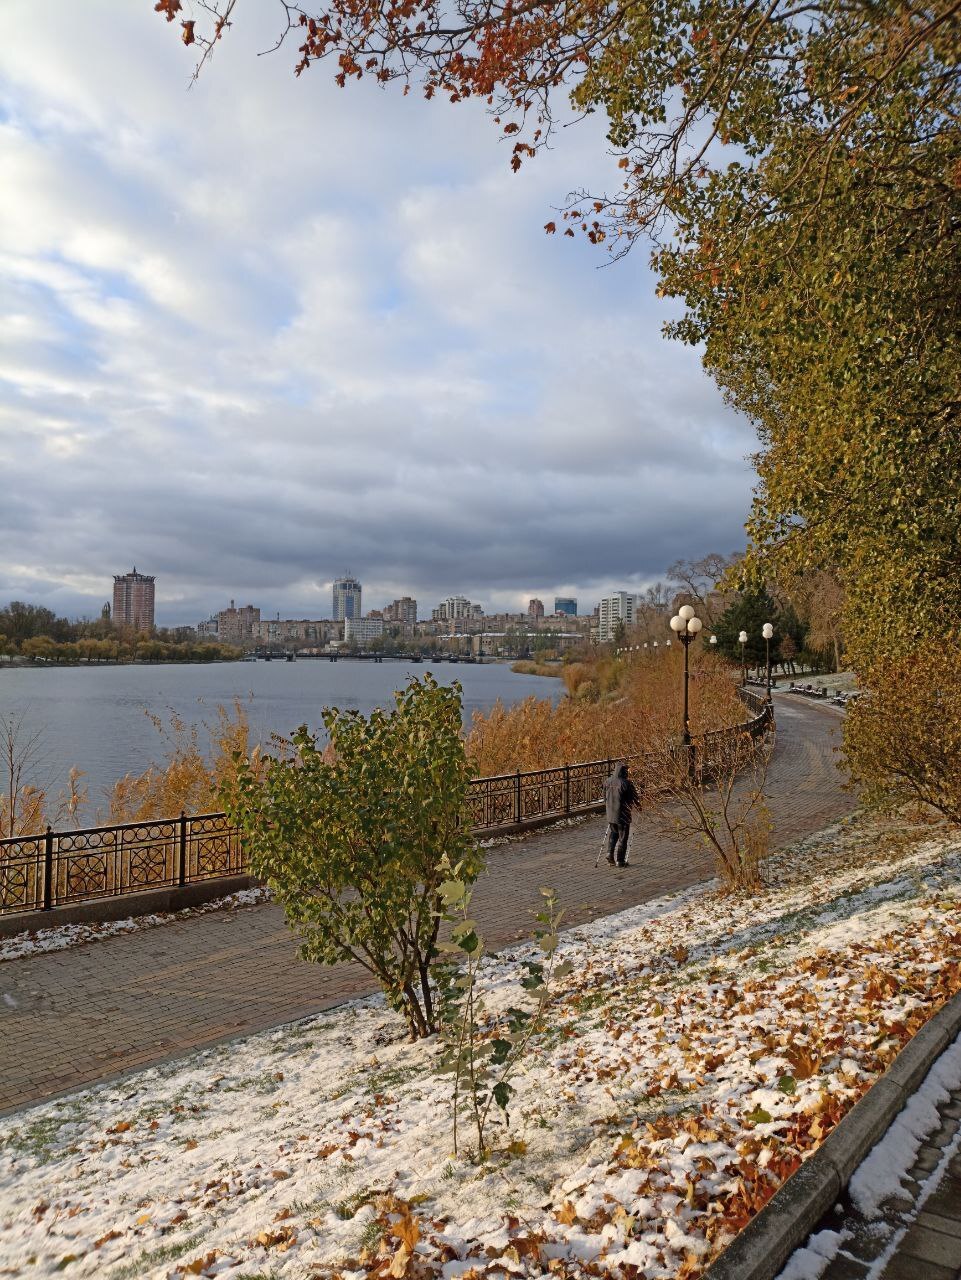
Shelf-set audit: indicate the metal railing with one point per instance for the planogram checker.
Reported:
(59, 868)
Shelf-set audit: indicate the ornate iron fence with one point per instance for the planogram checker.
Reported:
(57, 868)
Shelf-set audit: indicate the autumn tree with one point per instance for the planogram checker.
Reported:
(906, 737)
(354, 839)
(698, 581)
(818, 598)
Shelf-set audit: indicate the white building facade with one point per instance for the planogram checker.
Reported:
(619, 606)
(362, 630)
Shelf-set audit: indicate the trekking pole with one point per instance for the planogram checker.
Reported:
(597, 860)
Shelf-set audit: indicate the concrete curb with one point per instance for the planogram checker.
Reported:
(785, 1222)
(103, 910)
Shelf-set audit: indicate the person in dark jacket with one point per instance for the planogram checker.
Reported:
(620, 796)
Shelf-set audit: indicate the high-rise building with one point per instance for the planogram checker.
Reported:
(402, 610)
(619, 606)
(133, 599)
(346, 598)
(456, 607)
(535, 608)
(237, 626)
(566, 605)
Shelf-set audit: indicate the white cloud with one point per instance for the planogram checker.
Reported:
(264, 329)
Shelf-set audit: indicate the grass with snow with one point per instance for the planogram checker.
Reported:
(701, 1048)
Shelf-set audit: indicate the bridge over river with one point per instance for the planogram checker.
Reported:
(71, 1018)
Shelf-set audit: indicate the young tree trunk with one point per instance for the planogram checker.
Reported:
(416, 1021)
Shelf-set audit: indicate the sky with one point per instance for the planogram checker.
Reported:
(262, 331)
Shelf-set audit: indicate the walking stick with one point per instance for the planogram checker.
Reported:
(597, 860)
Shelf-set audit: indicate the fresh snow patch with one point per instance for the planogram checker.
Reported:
(701, 1048)
(811, 1262)
(879, 1175)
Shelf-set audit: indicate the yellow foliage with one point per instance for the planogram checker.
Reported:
(190, 777)
(613, 707)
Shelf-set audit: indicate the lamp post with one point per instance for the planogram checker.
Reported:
(767, 631)
(686, 626)
(742, 641)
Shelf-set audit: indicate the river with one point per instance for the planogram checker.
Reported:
(96, 717)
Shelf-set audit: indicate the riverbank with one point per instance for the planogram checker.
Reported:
(524, 667)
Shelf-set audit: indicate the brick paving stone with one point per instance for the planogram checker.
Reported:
(117, 1003)
(947, 1199)
(905, 1267)
(842, 1268)
(937, 1222)
(932, 1246)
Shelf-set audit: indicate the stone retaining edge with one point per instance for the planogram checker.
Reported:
(760, 1251)
(120, 907)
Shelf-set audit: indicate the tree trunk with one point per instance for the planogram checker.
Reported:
(415, 1016)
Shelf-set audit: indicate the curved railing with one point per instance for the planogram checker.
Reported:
(60, 868)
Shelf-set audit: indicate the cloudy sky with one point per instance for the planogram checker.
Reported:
(267, 330)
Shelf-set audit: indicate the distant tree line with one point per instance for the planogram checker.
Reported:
(805, 611)
(34, 632)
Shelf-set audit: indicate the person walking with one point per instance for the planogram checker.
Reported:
(620, 796)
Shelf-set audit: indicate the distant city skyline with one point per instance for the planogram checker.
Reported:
(168, 610)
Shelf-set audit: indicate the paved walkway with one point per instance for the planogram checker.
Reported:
(917, 1234)
(70, 1018)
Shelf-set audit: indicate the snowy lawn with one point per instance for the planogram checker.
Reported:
(701, 1048)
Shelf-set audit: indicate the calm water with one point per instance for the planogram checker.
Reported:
(95, 718)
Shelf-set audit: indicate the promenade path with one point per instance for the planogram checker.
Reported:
(71, 1018)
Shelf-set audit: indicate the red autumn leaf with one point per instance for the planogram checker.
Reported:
(169, 8)
(188, 32)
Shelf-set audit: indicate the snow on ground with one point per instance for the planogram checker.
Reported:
(60, 937)
(702, 1046)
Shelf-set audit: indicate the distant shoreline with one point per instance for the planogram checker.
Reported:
(28, 664)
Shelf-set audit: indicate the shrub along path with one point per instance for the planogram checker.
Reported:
(71, 1018)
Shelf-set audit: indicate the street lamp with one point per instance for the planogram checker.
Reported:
(742, 641)
(767, 631)
(685, 624)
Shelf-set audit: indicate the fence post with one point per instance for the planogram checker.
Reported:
(517, 797)
(567, 788)
(182, 853)
(48, 869)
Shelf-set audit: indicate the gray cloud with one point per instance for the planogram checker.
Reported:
(265, 330)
